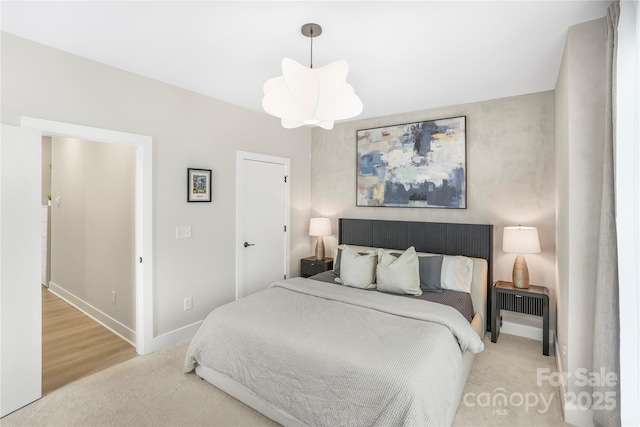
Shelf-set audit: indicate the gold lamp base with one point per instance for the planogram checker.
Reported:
(520, 274)
(319, 249)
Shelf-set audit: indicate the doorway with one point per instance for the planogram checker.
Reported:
(262, 221)
(92, 228)
(88, 312)
(143, 212)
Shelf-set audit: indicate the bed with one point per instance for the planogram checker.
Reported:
(316, 352)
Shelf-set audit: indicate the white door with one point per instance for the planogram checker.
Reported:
(262, 221)
(20, 288)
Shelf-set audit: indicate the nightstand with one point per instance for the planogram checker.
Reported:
(533, 300)
(310, 266)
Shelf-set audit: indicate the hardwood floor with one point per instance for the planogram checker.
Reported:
(74, 345)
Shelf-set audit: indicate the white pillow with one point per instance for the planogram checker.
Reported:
(457, 272)
(358, 271)
(337, 254)
(399, 275)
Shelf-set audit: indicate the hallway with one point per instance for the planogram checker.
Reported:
(74, 345)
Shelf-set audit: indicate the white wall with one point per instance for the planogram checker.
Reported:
(188, 130)
(628, 207)
(580, 103)
(20, 288)
(46, 169)
(93, 245)
(510, 176)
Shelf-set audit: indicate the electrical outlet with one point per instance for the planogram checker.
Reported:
(188, 303)
(564, 350)
(113, 297)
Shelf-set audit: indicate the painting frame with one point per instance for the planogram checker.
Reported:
(198, 185)
(413, 165)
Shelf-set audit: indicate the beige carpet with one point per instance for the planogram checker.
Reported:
(152, 391)
(510, 368)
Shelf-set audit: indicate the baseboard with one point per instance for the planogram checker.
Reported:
(104, 319)
(560, 369)
(173, 337)
(580, 416)
(524, 331)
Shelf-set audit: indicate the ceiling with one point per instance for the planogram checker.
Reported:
(403, 56)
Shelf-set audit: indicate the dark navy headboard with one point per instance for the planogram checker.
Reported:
(473, 240)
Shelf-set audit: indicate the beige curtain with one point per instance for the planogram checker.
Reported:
(606, 342)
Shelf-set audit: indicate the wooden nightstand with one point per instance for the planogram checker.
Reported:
(533, 300)
(310, 266)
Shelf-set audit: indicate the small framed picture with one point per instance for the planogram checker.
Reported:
(198, 185)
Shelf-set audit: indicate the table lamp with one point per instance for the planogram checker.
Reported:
(320, 227)
(520, 240)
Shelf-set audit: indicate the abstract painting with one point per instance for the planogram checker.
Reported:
(416, 165)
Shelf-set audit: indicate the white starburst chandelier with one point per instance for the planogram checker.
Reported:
(311, 96)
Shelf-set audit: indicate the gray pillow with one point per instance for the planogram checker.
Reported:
(430, 272)
(336, 263)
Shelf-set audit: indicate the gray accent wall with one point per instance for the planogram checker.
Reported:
(580, 106)
(510, 175)
(188, 130)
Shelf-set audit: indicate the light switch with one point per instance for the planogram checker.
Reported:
(183, 232)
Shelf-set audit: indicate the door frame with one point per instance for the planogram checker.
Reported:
(143, 211)
(240, 158)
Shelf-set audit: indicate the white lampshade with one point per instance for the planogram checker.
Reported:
(311, 96)
(320, 227)
(521, 240)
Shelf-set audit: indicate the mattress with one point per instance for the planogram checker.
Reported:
(332, 355)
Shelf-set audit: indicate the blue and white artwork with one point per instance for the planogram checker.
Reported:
(198, 185)
(415, 165)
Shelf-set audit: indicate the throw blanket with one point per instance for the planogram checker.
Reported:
(332, 355)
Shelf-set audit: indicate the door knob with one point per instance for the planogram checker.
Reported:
(246, 245)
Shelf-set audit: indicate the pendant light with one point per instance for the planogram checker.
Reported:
(311, 96)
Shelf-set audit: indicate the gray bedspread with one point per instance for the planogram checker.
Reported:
(338, 356)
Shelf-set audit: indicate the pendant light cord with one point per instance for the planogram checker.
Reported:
(311, 60)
